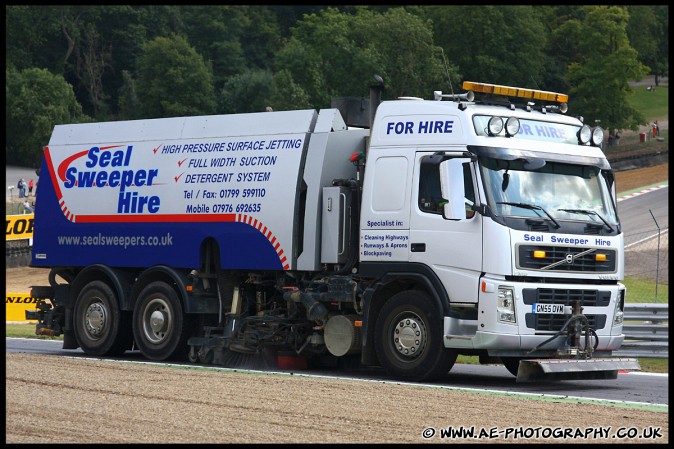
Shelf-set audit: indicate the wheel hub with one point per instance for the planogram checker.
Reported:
(94, 319)
(158, 321)
(409, 337)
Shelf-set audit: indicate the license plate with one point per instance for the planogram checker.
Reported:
(554, 309)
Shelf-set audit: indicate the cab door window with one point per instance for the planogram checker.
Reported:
(430, 195)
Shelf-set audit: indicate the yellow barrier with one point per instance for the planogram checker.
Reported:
(17, 304)
(19, 227)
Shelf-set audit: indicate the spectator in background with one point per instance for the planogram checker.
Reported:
(655, 128)
(28, 208)
(31, 184)
(21, 185)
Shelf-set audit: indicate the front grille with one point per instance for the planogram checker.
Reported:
(566, 258)
(566, 296)
(548, 322)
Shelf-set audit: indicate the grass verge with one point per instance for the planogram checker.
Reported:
(652, 104)
(25, 330)
(642, 290)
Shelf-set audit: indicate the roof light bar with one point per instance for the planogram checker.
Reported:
(519, 92)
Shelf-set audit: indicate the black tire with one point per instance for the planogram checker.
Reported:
(101, 329)
(160, 327)
(420, 354)
(512, 364)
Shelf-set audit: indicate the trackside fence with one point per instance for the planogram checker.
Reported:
(647, 263)
(646, 329)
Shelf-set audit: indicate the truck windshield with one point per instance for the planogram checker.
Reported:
(557, 191)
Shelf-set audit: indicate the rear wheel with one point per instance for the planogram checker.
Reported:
(159, 326)
(101, 329)
(408, 338)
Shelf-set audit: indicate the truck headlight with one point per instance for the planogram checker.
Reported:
(584, 134)
(597, 136)
(495, 126)
(505, 309)
(512, 126)
(619, 314)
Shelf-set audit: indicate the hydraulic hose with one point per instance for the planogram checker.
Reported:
(584, 326)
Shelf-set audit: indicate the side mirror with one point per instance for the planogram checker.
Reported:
(452, 186)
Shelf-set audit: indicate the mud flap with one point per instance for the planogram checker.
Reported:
(532, 370)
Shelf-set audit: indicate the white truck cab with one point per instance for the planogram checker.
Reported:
(507, 210)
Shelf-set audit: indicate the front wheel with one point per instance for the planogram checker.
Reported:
(159, 326)
(408, 338)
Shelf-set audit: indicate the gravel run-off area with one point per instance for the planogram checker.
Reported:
(54, 399)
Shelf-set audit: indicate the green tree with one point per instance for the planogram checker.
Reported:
(648, 31)
(129, 104)
(88, 33)
(124, 32)
(91, 46)
(216, 33)
(173, 80)
(233, 38)
(492, 43)
(555, 59)
(248, 92)
(324, 59)
(262, 37)
(36, 100)
(32, 37)
(603, 63)
(287, 95)
(413, 64)
(335, 54)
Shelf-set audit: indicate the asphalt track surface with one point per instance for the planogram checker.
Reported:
(635, 389)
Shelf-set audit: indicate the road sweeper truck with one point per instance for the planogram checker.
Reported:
(482, 223)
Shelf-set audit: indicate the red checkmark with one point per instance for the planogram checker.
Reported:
(178, 177)
(155, 150)
(181, 162)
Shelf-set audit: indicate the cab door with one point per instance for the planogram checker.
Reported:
(452, 248)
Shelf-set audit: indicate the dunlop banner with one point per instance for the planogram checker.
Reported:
(19, 227)
(17, 304)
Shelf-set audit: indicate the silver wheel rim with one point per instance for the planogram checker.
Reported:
(95, 320)
(409, 337)
(157, 320)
